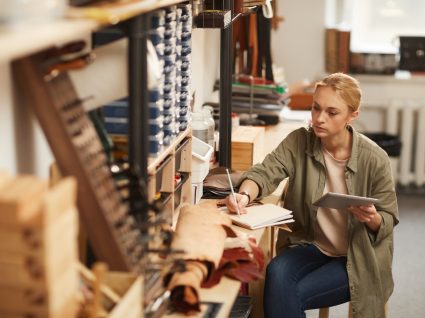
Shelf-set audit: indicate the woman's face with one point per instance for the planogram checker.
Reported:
(329, 113)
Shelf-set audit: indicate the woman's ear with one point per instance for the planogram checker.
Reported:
(353, 116)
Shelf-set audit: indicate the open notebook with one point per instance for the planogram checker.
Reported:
(259, 216)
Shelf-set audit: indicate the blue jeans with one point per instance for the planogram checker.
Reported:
(304, 278)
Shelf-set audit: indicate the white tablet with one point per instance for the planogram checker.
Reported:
(341, 201)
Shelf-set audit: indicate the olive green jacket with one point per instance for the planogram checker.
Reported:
(368, 173)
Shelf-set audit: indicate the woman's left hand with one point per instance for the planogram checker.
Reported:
(367, 214)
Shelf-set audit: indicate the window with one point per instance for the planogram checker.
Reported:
(376, 25)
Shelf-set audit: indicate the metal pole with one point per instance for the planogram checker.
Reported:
(138, 147)
(226, 70)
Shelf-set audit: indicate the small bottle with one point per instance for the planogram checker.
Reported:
(199, 127)
(235, 121)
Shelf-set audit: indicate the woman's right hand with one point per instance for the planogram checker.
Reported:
(232, 206)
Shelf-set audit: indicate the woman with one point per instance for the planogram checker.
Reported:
(335, 256)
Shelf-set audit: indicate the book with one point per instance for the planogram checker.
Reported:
(337, 50)
(331, 50)
(264, 215)
(341, 201)
(344, 51)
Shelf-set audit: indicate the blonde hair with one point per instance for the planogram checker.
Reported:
(345, 86)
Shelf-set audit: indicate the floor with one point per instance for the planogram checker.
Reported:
(408, 299)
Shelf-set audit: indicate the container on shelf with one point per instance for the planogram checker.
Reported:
(201, 154)
(199, 126)
(211, 125)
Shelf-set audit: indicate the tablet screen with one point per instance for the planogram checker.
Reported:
(342, 201)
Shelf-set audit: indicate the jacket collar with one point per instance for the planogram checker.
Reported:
(314, 148)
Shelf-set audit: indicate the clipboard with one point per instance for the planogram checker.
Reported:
(342, 201)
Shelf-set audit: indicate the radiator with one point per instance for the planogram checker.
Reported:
(406, 118)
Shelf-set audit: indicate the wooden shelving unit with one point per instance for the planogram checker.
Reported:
(134, 17)
(162, 172)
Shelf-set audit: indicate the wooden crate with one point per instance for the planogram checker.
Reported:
(115, 294)
(247, 147)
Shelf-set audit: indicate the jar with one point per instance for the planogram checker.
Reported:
(199, 126)
(211, 125)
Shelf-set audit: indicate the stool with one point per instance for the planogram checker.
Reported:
(324, 312)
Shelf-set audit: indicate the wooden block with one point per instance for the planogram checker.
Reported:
(68, 310)
(30, 238)
(21, 199)
(247, 147)
(40, 301)
(26, 239)
(64, 289)
(59, 199)
(21, 272)
(130, 287)
(61, 253)
(301, 101)
(5, 178)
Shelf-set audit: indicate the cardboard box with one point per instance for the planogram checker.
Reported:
(247, 147)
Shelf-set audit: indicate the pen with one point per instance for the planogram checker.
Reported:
(233, 192)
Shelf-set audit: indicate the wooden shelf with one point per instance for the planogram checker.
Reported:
(153, 162)
(21, 42)
(81, 22)
(112, 13)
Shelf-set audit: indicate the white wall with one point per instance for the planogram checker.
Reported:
(7, 137)
(298, 44)
(24, 148)
(205, 63)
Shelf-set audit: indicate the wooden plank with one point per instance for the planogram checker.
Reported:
(131, 289)
(21, 200)
(78, 152)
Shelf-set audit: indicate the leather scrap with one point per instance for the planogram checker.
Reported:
(212, 249)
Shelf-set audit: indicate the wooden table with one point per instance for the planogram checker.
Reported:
(228, 289)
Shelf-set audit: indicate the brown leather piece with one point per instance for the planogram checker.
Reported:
(204, 232)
